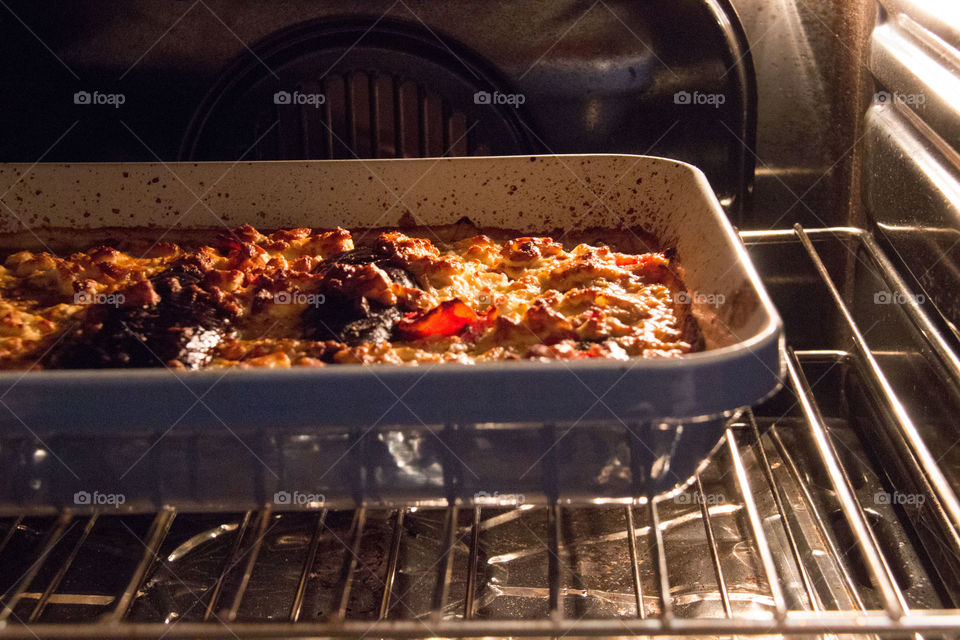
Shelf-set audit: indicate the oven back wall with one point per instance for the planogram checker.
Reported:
(197, 81)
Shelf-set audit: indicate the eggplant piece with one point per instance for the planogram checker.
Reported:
(184, 326)
(351, 321)
(355, 320)
(360, 255)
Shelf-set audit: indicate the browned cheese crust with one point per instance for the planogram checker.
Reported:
(313, 297)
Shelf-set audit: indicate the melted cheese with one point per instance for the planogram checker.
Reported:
(544, 300)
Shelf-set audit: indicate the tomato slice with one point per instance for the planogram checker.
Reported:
(449, 318)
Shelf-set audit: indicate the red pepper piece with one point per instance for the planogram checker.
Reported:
(447, 319)
(647, 260)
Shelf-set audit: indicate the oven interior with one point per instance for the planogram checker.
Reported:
(828, 510)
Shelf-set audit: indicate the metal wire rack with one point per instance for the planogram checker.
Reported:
(818, 567)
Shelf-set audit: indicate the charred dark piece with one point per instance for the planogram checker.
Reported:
(184, 326)
(355, 320)
(351, 321)
(367, 255)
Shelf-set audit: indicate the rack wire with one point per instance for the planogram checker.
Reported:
(751, 443)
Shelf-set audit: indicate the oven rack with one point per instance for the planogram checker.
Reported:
(793, 568)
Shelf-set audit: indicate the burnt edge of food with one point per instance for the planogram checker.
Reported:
(185, 326)
(690, 331)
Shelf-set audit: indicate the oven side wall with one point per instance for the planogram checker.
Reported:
(911, 165)
(813, 88)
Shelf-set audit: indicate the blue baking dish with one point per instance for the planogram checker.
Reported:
(118, 426)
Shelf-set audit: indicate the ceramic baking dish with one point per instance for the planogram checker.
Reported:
(683, 400)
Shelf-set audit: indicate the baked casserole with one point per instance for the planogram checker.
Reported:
(313, 297)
